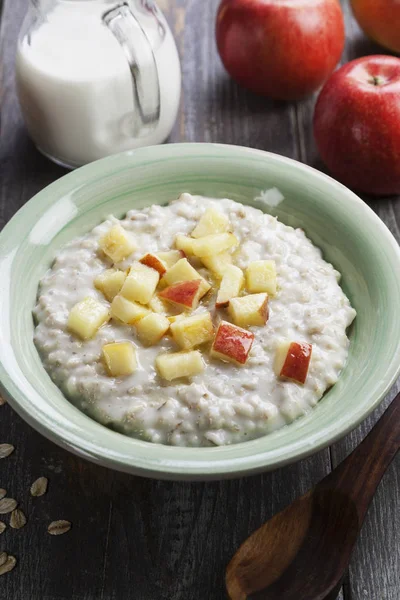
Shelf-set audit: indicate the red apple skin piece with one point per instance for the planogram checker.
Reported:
(357, 124)
(279, 48)
(297, 362)
(233, 342)
(184, 293)
(380, 20)
(150, 260)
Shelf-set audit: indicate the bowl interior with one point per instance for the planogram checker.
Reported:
(348, 232)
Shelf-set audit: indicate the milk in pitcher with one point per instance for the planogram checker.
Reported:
(76, 86)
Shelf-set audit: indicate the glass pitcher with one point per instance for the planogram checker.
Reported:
(96, 77)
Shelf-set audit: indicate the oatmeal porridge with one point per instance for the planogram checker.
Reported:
(203, 322)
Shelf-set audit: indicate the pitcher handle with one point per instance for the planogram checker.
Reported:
(139, 53)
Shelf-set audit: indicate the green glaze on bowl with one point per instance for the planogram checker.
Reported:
(351, 236)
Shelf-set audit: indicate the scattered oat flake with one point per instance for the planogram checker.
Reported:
(6, 450)
(59, 527)
(3, 493)
(3, 527)
(17, 519)
(8, 565)
(7, 505)
(3, 558)
(39, 487)
(2, 401)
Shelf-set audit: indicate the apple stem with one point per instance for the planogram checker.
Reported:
(376, 80)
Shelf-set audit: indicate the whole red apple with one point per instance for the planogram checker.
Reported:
(357, 124)
(283, 49)
(380, 19)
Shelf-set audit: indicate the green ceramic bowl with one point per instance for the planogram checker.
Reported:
(351, 236)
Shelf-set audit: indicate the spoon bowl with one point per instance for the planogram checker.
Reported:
(319, 524)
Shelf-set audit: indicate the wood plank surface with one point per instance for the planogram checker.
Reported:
(149, 540)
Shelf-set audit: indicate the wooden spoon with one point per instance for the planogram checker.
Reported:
(303, 552)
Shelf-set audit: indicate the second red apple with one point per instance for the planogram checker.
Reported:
(357, 124)
(280, 48)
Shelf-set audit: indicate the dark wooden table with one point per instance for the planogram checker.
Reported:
(149, 540)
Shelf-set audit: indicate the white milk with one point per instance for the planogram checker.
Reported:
(76, 89)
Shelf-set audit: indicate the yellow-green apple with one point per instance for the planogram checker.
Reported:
(126, 311)
(152, 328)
(231, 284)
(140, 284)
(170, 257)
(117, 243)
(283, 49)
(357, 124)
(292, 360)
(249, 310)
(192, 331)
(120, 358)
(179, 364)
(380, 19)
(212, 221)
(110, 282)
(232, 343)
(86, 317)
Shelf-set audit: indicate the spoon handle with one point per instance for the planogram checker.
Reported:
(359, 474)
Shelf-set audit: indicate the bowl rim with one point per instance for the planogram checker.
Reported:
(209, 468)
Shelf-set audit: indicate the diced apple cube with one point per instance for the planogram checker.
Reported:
(185, 293)
(154, 262)
(217, 264)
(292, 360)
(162, 284)
(212, 221)
(120, 358)
(183, 271)
(214, 244)
(261, 277)
(179, 364)
(249, 310)
(117, 243)
(157, 305)
(193, 331)
(110, 282)
(140, 284)
(151, 328)
(162, 307)
(86, 317)
(170, 257)
(231, 284)
(126, 311)
(232, 344)
(174, 318)
(184, 243)
(280, 356)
